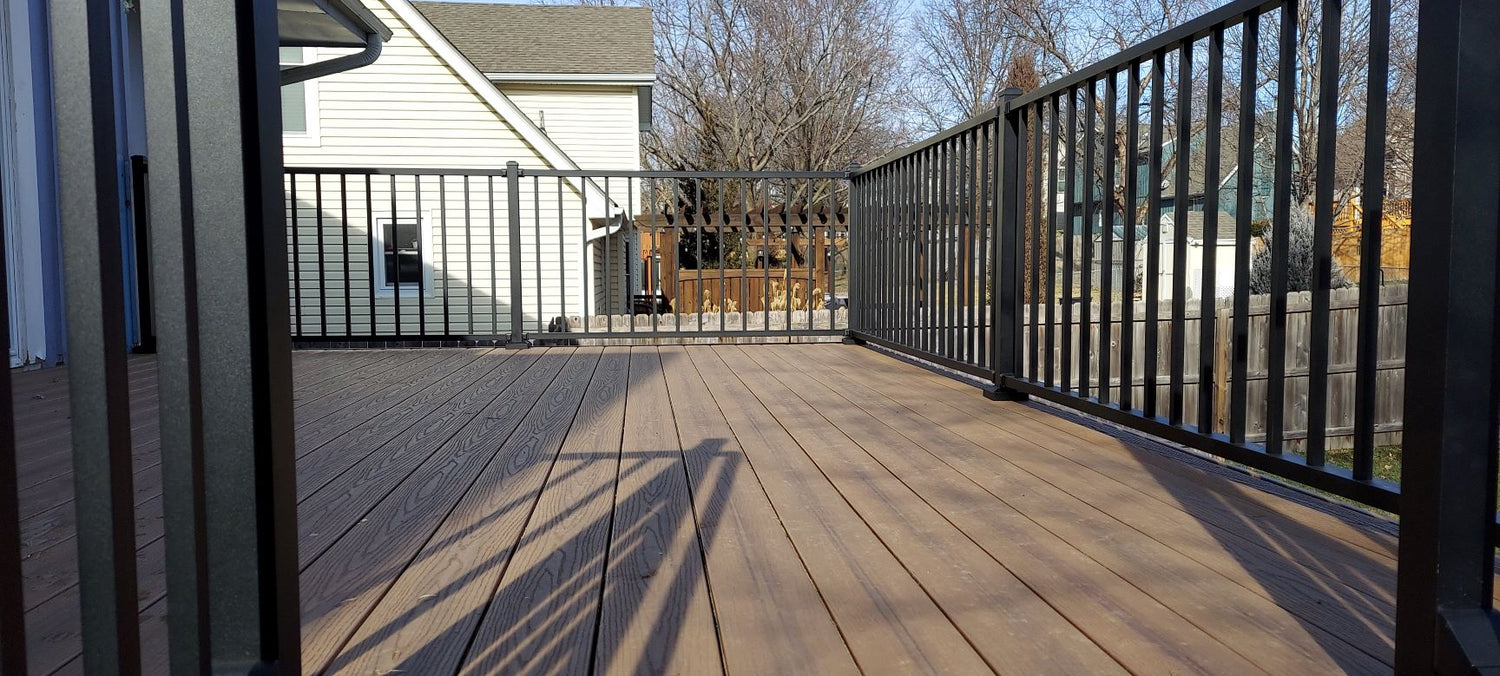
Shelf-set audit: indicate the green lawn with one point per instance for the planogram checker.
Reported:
(1387, 461)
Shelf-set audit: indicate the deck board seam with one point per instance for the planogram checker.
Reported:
(609, 532)
(692, 503)
(780, 522)
(531, 512)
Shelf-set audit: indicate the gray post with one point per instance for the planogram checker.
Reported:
(1006, 272)
(513, 205)
(230, 489)
(174, 279)
(93, 276)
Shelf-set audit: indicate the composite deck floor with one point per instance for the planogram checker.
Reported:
(752, 509)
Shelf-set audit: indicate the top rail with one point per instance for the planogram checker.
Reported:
(1223, 17)
(563, 173)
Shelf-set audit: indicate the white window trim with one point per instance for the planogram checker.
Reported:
(383, 288)
(314, 134)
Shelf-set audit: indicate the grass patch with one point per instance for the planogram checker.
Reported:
(1387, 461)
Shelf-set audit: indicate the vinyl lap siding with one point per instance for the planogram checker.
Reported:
(410, 110)
(598, 127)
(595, 125)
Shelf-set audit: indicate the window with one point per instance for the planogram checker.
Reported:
(401, 249)
(643, 107)
(299, 101)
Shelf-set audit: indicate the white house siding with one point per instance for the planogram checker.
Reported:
(411, 110)
(598, 126)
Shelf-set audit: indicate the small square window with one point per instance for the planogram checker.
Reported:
(403, 253)
(402, 247)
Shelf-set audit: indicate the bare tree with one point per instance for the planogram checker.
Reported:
(775, 84)
(970, 51)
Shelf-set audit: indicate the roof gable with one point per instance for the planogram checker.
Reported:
(545, 147)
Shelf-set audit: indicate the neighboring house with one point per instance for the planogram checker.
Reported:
(29, 182)
(470, 87)
(1196, 198)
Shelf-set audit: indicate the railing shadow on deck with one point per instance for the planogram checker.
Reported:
(1340, 592)
(569, 630)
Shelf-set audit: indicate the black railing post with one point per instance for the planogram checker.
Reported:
(513, 233)
(855, 260)
(1005, 280)
(1446, 564)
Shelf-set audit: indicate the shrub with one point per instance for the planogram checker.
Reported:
(1299, 268)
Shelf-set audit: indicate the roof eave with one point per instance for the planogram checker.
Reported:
(629, 79)
(327, 23)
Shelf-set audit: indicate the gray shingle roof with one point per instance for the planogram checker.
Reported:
(503, 38)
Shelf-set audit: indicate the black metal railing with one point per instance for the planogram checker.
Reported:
(1179, 80)
(1112, 299)
(926, 231)
(521, 255)
(1162, 254)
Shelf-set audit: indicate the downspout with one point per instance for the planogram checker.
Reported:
(360, 59)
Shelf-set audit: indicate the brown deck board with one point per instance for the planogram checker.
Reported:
(341, 586)
(1221, 594)
(772, 619)
(956, 573)
(336, 414)
(424, 624)
(468, 388)
(1134, 628)
(544, 614)
(766, 509)
(889, 621)
(333, 508)
(655, 616)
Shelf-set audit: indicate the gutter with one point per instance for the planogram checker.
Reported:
(359, 21)
(360, 59)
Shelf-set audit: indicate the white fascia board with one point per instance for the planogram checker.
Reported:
(617, 79)
(532, 134)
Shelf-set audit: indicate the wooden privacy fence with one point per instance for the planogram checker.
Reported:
(735, 290)
(1343, 329)
(772, 261)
